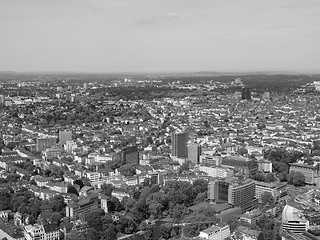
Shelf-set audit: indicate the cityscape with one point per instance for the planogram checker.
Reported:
(159, 120)
(100, 156)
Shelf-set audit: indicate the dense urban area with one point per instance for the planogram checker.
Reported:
(171, 156)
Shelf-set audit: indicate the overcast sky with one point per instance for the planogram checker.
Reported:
(160, 35)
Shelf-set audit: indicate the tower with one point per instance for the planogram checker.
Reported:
(246, 94)
(194, 152)
(179, 145)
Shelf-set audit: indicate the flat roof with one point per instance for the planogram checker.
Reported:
(291, 214)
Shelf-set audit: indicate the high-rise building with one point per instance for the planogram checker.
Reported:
(130, 155)
(194, 152)
(235, 191)
(179, 145)
(64, 136)
(246, 93)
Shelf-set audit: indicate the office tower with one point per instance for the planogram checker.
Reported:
(194, 152)
(85, 86)
(64, 136)
(246, 94)
(179, 145)
(236, 191)
(130, 155)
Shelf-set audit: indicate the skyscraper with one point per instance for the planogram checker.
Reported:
(179, 144)
(246, 94)
(194, 151)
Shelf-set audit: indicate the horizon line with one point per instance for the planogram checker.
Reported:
(290, 72)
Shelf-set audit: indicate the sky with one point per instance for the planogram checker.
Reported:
(160, 35)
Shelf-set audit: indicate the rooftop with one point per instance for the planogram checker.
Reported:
(291, 214)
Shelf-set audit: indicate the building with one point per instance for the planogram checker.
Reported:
(218, 191)
(93, 176)
(241, 165)
(70, 146)
(220, 231)
(129, 155)
(235, 191)
(277, 189)
(51, 153)
(293, 219)
(217, 172)
(45, 142)
(230, 214)
(179, 145)
(157, 177)
(311, 172)
(246, 94)
(194, 152)
(241, 194)
(65, 136)
(87, 205)
(41, 232)
(265, 165)
(252, 216)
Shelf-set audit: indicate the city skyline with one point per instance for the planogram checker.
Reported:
(160, 36)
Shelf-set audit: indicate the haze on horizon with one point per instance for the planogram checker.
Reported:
(160, 35)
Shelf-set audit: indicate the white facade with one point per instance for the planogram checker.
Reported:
(216, 232)
(293, 220)
(217, 172)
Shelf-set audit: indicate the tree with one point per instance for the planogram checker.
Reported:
(94, 219)
(72, 189)
(128, 203)
(267, 200)
(79, 183)
(128, 225)
(114, 205)
(92, 234)
(298, 179)
(107, 189)
(5, 198)
(56, 218)
(242, 151)
(128, 170)
(109, 232)
(185, 167)
(178, 213)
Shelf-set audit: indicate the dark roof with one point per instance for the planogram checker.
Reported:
(217, 207)
(50, 228)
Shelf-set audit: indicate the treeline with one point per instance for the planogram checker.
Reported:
(150, 202)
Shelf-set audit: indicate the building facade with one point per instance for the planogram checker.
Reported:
(179, 145)
(293, 219)
(194, 152)
(216, 232)
(311, 172)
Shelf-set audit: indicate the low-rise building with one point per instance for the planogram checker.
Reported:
(252, 216)
(220, 231)
(293, 218)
